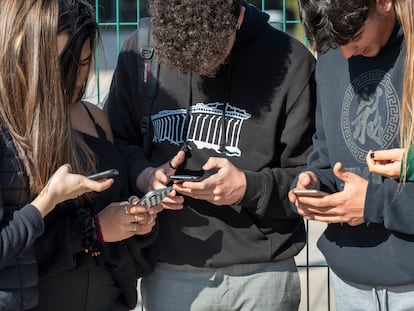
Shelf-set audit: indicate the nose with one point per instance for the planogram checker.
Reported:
(347, 50)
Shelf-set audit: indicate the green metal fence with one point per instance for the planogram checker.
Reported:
(118, 19)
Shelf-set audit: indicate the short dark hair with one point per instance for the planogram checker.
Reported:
(192, 35)
(332, 23)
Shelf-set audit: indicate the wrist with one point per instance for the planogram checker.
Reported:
(44, 203)
(144, 180)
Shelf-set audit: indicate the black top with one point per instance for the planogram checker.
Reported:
(71, 279)
(266, 93)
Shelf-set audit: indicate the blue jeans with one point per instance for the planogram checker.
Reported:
(355, 297)
(259, 286)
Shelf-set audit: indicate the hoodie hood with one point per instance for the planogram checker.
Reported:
(253, 21)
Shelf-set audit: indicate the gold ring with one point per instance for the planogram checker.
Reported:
(126, 209)
(135, 227)
(136, 217)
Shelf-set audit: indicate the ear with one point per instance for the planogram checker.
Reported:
(385, 6)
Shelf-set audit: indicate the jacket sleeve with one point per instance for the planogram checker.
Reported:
(318, 159)
(266, 192)
(123, 110)
(391, 203)
(19, 233)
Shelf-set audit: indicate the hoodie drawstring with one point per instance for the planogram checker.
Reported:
(383, 304)
(223, 138)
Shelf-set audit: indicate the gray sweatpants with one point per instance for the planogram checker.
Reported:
(260, 286)
(354, 297)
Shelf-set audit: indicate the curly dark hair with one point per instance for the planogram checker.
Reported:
(193, 35)
(332, 23)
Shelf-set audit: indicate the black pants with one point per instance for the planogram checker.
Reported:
(88, 287)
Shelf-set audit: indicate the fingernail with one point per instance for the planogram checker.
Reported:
(372, 155)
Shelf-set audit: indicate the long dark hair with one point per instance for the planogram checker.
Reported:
(77, 19)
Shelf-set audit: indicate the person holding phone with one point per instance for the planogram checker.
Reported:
(85, 254)
(37, 172)
(233, 244)
(363, 102)
(389, 163)
(398, 163)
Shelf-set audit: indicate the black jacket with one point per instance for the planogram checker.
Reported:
(266, 92)
(20, 226)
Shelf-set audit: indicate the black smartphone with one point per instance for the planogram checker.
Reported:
(186, 177)
(310, 192)
(192, 175)
(154, 197)
(104, 174)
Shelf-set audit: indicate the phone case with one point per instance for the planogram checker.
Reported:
(154, 197)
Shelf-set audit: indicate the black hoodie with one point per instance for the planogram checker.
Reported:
(266, 92)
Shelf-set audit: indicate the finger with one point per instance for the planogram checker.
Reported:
(177, 160)
(134, 227)
(319, 205)
(98, 185)
(137, 209)
(305, 180)
(292, 197)
(388, 169)
(340, 172)
(192, 186)
(155, 209)
(394, 154)
(214, 162)
(325, 218)
(139, 218)
(194, 193)
(370, 158)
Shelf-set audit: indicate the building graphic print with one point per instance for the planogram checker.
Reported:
(204, 126)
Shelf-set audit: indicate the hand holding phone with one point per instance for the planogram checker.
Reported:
(105, 174)
(153, 197)
(186, 177)
(309, 192)
(190, 175)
